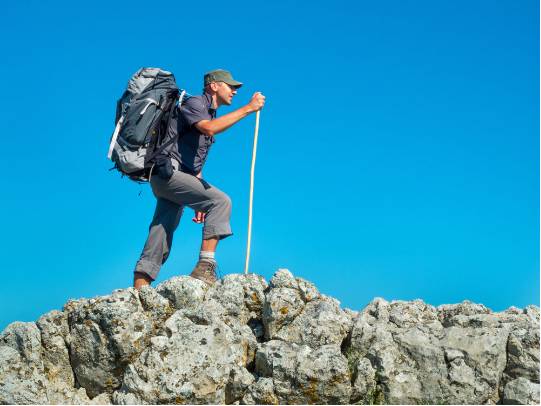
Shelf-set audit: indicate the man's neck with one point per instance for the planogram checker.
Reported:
(214, 101)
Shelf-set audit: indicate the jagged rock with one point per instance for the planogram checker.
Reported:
(158, 307)
(521, 392)
(523, 353)
(475, 375)
(107, 333)
(60, 388)
(351, 313)
(466, 308)
(243, 341)
(520, 380)
(283, 278)
(54, 331)
(282, 304)
(364, 383)
(240, 379)
(21, 368)
(183, 292)
(302, 375)
(532, 312)
(191, 364)
(450, 355)
(240, 295)
(295, 311)
(28, 374)
(406, 355)
(320, 322)
(237, 300)
(260, 393)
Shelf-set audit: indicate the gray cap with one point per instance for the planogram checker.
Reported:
(220, 75)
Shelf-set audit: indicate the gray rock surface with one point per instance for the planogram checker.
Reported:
(107, 334)
(453, 354)
(302, 375)
(246, 341)
(521, 391)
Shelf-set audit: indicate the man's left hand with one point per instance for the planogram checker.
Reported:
(199, 217)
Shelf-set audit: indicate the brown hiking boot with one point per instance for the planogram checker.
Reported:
(205, 271)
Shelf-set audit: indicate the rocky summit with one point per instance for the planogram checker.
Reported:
(246, 341)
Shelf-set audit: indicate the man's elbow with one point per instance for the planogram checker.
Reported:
(206, 129)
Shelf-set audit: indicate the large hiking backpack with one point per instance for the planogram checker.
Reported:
(142, 119)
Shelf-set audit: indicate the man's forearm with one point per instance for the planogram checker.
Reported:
(222, 123)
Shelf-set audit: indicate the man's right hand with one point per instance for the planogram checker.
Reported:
(216, 126)
(257, 102)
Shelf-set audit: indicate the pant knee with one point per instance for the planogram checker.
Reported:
(224, 201)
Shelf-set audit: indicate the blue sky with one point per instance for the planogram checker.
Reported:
(398, 150)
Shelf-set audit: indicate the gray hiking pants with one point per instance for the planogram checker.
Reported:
(172, 195)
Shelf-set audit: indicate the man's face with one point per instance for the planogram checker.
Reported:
(225, 93)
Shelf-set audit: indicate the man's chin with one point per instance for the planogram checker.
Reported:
(227, 102)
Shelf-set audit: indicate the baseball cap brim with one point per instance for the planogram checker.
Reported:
(233, 83)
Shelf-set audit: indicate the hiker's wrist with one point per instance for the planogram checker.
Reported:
(249, 109)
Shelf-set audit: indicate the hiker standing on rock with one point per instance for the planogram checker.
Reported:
(197, 125)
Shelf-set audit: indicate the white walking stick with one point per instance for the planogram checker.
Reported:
(251, 192)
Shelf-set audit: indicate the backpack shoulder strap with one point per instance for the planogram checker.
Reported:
(173, 139)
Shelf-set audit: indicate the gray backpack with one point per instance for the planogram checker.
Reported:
(142, 120)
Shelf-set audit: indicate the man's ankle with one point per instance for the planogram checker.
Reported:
(140, 280)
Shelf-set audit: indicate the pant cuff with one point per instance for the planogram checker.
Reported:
(147, 268)
(218, 232)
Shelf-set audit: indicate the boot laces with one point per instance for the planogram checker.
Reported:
(211, 269)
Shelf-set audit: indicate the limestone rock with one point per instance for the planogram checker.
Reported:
(246, 341)
(282, 303)
(191, 364)
(183, 291)
(54, 331)
(303, 375)
(523, 353)
(157, 307)
(21, 368)
(107, 333)
(452, 354)
(240, 379)
(241, 296)
(320, 322)
(260, 393)
(466, 308)
(521, 392)
(364, 383)
(28, 373)
(60, 388)
(296, 312)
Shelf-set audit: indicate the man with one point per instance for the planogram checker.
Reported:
(197, 125)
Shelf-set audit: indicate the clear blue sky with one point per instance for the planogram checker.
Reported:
(398, 150)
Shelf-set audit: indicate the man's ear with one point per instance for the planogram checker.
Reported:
(214, 86)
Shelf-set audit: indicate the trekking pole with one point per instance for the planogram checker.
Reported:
(251, 192)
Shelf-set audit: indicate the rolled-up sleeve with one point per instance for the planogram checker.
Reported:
(193, 111)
